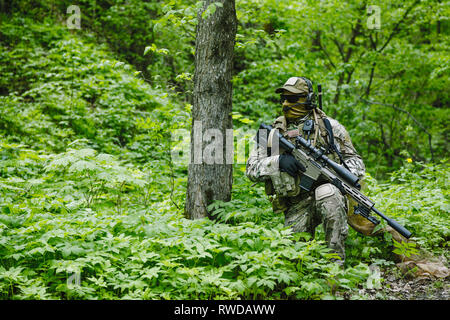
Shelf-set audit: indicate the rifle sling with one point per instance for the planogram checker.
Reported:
(331, 143)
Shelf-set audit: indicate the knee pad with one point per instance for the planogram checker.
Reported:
(324, 191)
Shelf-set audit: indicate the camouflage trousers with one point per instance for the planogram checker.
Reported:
(325, 205)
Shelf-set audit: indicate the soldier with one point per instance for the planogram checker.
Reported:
(325, 204)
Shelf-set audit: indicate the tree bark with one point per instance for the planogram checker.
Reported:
(210, 170)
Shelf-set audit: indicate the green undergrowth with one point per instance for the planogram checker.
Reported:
(84, 213)
(87, 213)
(91, 203)
(59, 87)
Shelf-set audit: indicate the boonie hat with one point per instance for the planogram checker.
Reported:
(294, 85)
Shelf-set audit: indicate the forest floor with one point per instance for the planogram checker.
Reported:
(395, 287)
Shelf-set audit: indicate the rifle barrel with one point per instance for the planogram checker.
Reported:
(394, 224)
(342, 172)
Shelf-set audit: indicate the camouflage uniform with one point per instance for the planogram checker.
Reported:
(325, 204)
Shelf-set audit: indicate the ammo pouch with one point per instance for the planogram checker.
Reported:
(279, 188)
(285, 185)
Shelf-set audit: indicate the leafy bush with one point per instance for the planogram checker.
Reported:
(73, 90)
(66, 218)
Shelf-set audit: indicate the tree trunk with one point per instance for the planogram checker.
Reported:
(210, 170)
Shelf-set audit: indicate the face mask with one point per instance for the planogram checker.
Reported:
(295, 110)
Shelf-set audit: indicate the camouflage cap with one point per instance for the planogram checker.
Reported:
(294, 85)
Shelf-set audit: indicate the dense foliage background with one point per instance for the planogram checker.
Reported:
(88, 186)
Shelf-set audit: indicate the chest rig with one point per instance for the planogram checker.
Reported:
(283, 190)
(314, 127)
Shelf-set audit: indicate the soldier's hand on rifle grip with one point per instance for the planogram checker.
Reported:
(290, 165)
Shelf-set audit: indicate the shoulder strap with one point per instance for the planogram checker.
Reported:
(331, 144)
(329, 131)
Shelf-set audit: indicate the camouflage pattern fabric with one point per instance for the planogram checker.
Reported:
(304, 211)
(260, 166)
(328, 208)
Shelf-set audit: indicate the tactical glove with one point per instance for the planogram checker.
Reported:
(290, 165)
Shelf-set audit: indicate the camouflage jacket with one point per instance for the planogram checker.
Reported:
(260, 166)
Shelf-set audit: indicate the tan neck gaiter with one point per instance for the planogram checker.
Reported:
(295, 112)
